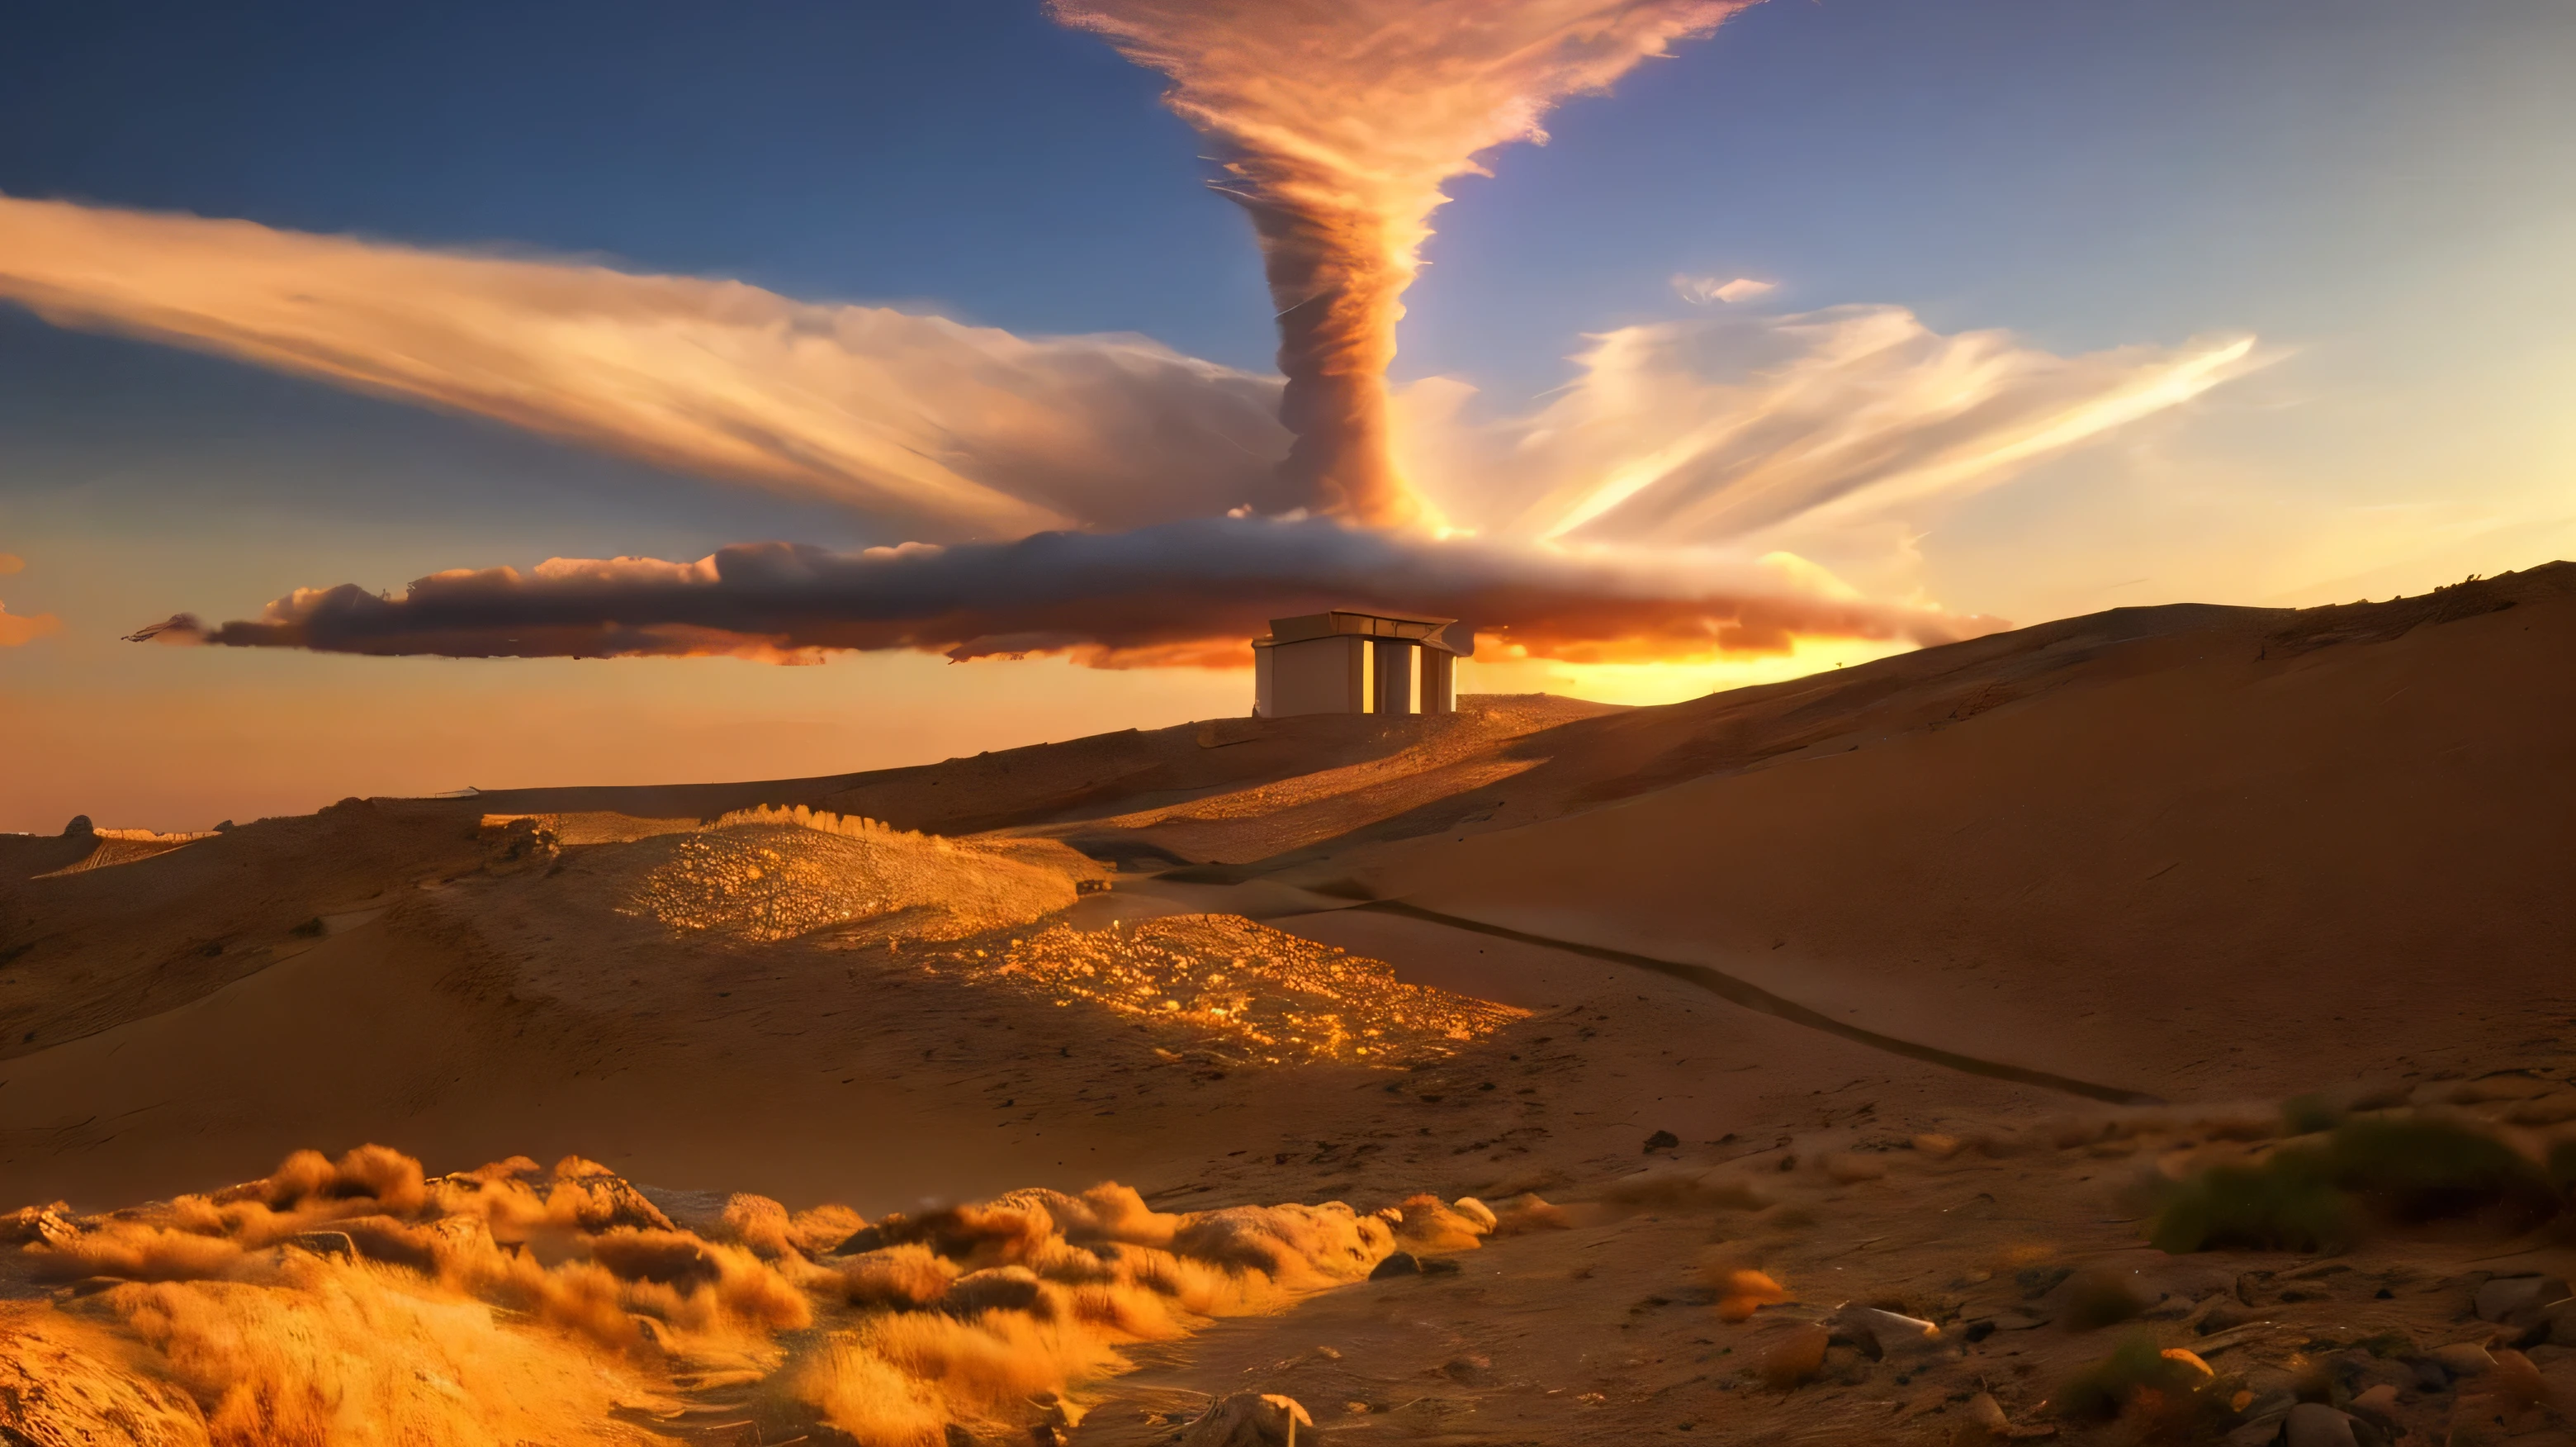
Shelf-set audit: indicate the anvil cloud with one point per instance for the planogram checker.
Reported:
(1176, 593)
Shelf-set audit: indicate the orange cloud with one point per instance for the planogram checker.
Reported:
(1339, 122)
(1180, 593)
(969, 431)
(16, 629)
(22, 629)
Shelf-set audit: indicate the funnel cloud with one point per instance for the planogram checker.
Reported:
(1339, 123)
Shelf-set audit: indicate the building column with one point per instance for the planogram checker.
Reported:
(1394, 679)
(1439, 681)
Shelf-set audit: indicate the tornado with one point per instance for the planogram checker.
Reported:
(1338, 122)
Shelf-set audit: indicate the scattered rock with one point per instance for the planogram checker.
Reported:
(1886, 1333)
(2463, 1359)
(325, 1243)
(2517, 1380)
(1057, 1416)
(1662, 1140)
(2518, 1300)
(1399, 1263)
(1248, 1419)
(38, 1226)
(2314, 1424)
(1469, 1371)
(1527, 1212)
(79, 828)
(2098, 1298)
(1985, 1412)
(1796, 1357)
(2378, 1407)
(2221, 1313)
(1744, 1291)
(2038, 1281)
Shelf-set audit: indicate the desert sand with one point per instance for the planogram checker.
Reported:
(1864, 1058)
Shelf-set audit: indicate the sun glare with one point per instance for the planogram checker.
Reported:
(1652, 683)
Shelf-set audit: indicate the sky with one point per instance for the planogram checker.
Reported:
(2266, 298)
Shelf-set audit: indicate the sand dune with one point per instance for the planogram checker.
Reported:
(1861, 983)
(2207, 861)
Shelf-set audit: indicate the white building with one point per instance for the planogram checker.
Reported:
(1349, 661)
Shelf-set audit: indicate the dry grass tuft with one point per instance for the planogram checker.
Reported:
(356, 1301)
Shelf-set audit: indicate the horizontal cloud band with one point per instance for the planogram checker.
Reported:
(1180, 593)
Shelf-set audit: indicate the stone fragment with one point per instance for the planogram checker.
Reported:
(1469, 1371)
(2463, 1359)
(1249, 1419)
(1796, 1357)
(2378, 1405)
(39, 1226)
(2517, 1380)
(2220, 1313)
(2314, 1424)
(1986, 1413)
(1887, 1333)
(1662, 1140)
(1398, 1263)
(1744, 1291)
(2518, 1300)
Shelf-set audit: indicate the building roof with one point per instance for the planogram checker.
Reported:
(1430, 632)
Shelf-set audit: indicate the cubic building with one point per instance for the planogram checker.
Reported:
(1354, 661)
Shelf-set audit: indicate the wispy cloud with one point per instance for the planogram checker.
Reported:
(1731, 427)
(1703, 290)
(965, 431)
(1176, 593)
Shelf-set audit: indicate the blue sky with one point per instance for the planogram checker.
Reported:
(2381, 191)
